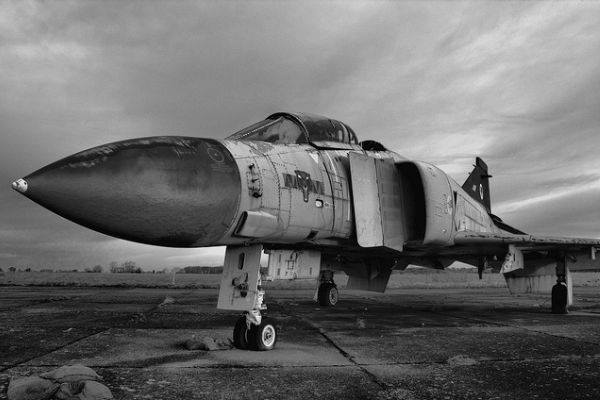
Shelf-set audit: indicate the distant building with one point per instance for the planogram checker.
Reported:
(12, 269)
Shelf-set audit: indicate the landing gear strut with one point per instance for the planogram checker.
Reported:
(560, 291)
(559, 297)
(327, 293)
(241, 290)
(252, 330)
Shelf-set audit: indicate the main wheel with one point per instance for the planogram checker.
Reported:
(240, 333)
(264, 336)
(560, 296)
(328, 294)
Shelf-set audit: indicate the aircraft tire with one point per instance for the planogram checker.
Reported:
(560, 296)
(240, 334)
(328, 294)
(264, 336)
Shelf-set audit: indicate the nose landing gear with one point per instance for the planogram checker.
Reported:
(241, 290)
(252, 336)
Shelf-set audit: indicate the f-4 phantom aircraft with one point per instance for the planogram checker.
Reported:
(304, 190)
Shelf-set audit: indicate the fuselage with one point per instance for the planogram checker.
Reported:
(193, 192)
(302, 194)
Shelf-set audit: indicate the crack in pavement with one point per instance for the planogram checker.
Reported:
(374, 378)
(524, 328)
(99, 331)
(21, 362)
(353, 365)
(491, 322)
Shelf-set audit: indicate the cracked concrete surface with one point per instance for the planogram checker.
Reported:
(405, 344)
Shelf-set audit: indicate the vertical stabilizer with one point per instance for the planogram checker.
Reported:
(478, 184)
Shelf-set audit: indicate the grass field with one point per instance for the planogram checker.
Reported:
(399, 279)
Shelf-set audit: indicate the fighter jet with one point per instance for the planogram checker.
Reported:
(304, 190)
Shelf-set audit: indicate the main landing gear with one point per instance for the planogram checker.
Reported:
(560, 291)
(327, 293)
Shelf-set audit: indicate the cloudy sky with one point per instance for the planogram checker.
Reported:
(515, 83)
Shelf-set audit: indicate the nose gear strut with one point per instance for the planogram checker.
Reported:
(241, 290)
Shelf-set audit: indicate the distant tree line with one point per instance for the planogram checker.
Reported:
(127, 267)
(200, 270)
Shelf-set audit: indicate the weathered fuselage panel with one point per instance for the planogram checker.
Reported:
(300, 194)
(292, 184)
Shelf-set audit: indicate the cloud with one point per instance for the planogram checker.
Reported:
(515, 83)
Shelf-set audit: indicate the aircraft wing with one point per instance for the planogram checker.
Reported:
(524, 242)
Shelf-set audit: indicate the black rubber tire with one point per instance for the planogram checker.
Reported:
(328, 294)
(560, 295)
(240, 334)
(264, 336)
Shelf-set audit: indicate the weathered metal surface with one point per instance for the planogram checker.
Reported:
(258, 224)
(166, 191)
(372, 275)
(390, 203)
(294, 186)
(527, 241)
(293, 264)
(306, 185)
(378, 202)
(477, 184)
(337, 169)
(513, 260)
(240, 279)
(439, 205)
(365, 197)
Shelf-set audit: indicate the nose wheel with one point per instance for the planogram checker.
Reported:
(252, 333)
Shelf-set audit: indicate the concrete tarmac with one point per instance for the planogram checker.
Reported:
(405, 344)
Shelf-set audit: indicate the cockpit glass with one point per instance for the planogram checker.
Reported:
(329, 130)
(280, 130)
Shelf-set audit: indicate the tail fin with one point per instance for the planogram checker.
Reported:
(478, 184)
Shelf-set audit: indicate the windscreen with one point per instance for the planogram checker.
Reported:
(280, 130)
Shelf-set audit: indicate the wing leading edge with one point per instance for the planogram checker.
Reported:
(526, 241)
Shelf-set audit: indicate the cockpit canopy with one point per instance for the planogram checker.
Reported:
(300, 128)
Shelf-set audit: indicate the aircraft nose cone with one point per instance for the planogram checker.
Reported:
(166, 191)
(20, 185)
